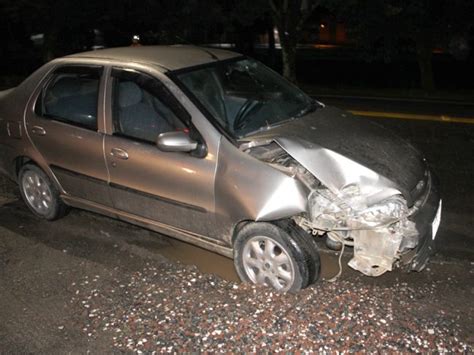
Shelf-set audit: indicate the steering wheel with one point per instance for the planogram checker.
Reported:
(250, 105)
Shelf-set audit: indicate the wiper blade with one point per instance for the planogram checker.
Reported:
(313, 106)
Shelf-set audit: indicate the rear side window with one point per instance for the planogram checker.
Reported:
(71, 96)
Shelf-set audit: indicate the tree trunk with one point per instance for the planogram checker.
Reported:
(271, 45)
(288, 41)
(288, 52)
(289, 17)
(425, 55)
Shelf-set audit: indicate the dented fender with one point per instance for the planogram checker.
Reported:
(247, 189)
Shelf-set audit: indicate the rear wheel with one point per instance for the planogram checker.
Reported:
(281, 258)
(40, 194)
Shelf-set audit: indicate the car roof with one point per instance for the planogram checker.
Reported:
(170, 57)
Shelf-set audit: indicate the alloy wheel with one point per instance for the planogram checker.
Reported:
(266, 262)
(37, 192)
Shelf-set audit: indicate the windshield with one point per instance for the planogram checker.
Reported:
(245, 96)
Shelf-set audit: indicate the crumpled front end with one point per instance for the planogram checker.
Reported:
(381, 233)
(354, 206)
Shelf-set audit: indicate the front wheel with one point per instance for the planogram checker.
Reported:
(39, 193)
(283, 259)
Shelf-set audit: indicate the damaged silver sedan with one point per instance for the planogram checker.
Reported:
(215, 149)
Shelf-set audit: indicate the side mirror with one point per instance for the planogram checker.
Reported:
(176, 142)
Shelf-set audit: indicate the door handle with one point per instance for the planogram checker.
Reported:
(39, 131)
(119, 153)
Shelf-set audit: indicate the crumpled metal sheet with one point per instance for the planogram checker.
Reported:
(347, 187)
(375, 251)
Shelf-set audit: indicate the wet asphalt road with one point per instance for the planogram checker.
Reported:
(87, 282)
(412, 106)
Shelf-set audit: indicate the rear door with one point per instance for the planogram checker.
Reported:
(176, 189)
(63, 126)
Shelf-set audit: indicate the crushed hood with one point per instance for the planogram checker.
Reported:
(340, 149)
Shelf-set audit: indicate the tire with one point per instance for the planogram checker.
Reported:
(280, 257)
(40, 194)
(311, 249)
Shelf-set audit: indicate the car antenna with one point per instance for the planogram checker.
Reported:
(212, 55)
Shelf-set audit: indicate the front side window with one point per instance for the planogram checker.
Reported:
(142, 107)
(244, 96)
(71, 96)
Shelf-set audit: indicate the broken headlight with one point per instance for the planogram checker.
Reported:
(350, 211)
(384, 213)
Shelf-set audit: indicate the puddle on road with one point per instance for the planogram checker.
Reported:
(5, 200)
(212, 263)
(329, 265)
(206, 261)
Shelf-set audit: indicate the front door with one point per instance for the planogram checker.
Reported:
(176, 189)
(63, 125)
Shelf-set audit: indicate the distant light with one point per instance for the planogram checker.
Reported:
(322, 25)
(37, 39)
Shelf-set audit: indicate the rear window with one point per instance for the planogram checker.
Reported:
(71, 96)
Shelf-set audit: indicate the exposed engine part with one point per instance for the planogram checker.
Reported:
(380, 233)
(275, 156)
(375, 251)
(333, 243)
(376, 225)
(336, 239)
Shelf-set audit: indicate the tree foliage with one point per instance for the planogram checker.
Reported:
(384, 28)
(387, 27)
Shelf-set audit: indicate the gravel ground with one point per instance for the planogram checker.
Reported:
(173, 308)
(6, 188)
(91, 284)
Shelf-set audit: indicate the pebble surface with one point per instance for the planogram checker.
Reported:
(176, 308)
